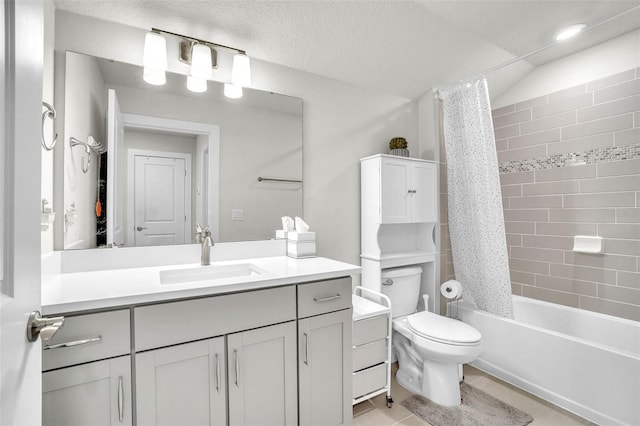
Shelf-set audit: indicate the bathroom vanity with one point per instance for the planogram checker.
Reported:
(246, 341)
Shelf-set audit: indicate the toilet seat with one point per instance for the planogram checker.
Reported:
(443, 330)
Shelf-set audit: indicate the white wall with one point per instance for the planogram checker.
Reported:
(342, 123)
(81, 122)
(611, 57)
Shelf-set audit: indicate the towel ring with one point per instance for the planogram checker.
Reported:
(50, 112)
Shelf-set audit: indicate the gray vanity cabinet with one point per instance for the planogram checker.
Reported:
(97, 393)
(324, 348)
(87, 377)
(182, 385)
(262, 376)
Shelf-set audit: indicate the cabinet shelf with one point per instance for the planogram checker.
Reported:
(391, 260)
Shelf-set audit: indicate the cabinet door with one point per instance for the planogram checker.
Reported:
(262, 376)
(424, 199)
(396, 198)
(324, 345)
(97, 393)
(182, 385)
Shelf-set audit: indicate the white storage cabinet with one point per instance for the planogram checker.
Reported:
(371, 342)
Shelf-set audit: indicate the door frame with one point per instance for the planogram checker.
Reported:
(210, 133)
(131, 154)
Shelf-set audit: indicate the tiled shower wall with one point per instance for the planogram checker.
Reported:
(570, 165)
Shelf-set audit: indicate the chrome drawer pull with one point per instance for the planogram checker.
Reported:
(306, 348)
(217, 374)
(237, 363)
(72, 344)
(120, 400)
(326, 299)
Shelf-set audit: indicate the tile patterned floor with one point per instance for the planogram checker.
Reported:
(374, 412)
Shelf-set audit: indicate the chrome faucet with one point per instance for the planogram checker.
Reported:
(207, 243)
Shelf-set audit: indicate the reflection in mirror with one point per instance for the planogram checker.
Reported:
(174, 159)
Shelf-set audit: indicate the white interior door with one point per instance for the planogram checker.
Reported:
(161, 199)
(21, 59)
(115, 171)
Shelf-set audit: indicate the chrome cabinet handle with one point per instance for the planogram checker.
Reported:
(217, 373)
(306, 348)
(237, 363)
(140, 228)
(120, 400)
(326, 299)
(72, 344)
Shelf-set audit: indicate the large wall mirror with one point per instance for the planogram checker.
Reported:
(162, 159)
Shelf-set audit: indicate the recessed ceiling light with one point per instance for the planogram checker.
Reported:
(570, 31)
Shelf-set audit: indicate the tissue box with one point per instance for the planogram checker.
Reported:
(299, 249)
(281, 235)
(302, 236)
(301, 244)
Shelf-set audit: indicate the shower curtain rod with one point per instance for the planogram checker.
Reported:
(499, 66)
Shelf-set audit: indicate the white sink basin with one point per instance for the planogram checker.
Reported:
(208, 273)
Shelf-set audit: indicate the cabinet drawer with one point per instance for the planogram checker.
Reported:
(370, 354)
(178, 322)
(324, 296)
(85, 338)
(369, 330)
(369, 380)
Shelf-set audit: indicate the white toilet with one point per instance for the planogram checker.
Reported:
(430, 347)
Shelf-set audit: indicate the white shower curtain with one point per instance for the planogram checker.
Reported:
(476, 223)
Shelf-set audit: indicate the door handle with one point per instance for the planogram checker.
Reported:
(44, 327)
(140, 228)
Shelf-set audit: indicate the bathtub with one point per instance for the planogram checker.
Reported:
(584, 362)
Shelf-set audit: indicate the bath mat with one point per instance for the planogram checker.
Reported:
(477, 409)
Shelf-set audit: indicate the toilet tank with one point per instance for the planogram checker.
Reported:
(402, 286)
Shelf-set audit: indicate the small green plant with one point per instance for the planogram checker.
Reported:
(398, 143)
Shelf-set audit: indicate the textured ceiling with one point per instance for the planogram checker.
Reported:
(401, 47)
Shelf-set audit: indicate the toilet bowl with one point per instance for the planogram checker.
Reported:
(429, 347)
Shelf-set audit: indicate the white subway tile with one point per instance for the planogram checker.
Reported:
(582, 215)
(522, 153)
(605, 261)
(562, 187)
(551, 296)
(617, 91)
(628, 215)
(619, 294)
(624, 247)
(609, 124)
(567, 285)
(619, 168)
(612, 199)
(533, 215)
(540, 254)
(623, 310)
(627, 231)
(522, 277)
(610, 184)
(534, 139)
(546, 241)
(564, 105)
(532, 266)
(583, 273)
(551, 122)
(608, 109)
(629, 136)
(629, 279)
(520, 227)
(586, 143)
(536, 202)
(566, 173)
(566, 229)
(507, 132)
(512, 118)
(511, 190)
(518, 177)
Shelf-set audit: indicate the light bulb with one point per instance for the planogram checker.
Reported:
(570, 31)
(241, 72)
(201, 61)
(155, 52)
(155, 77)
(232, 91)
(197, 85)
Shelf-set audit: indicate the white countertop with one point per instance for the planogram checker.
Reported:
(83, 291)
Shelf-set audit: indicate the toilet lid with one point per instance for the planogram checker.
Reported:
(443, 329)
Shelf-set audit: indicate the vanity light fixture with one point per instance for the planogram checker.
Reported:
(202, 56)
(197, 85)
(570, 31)
(155, 58)
(232, 91)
